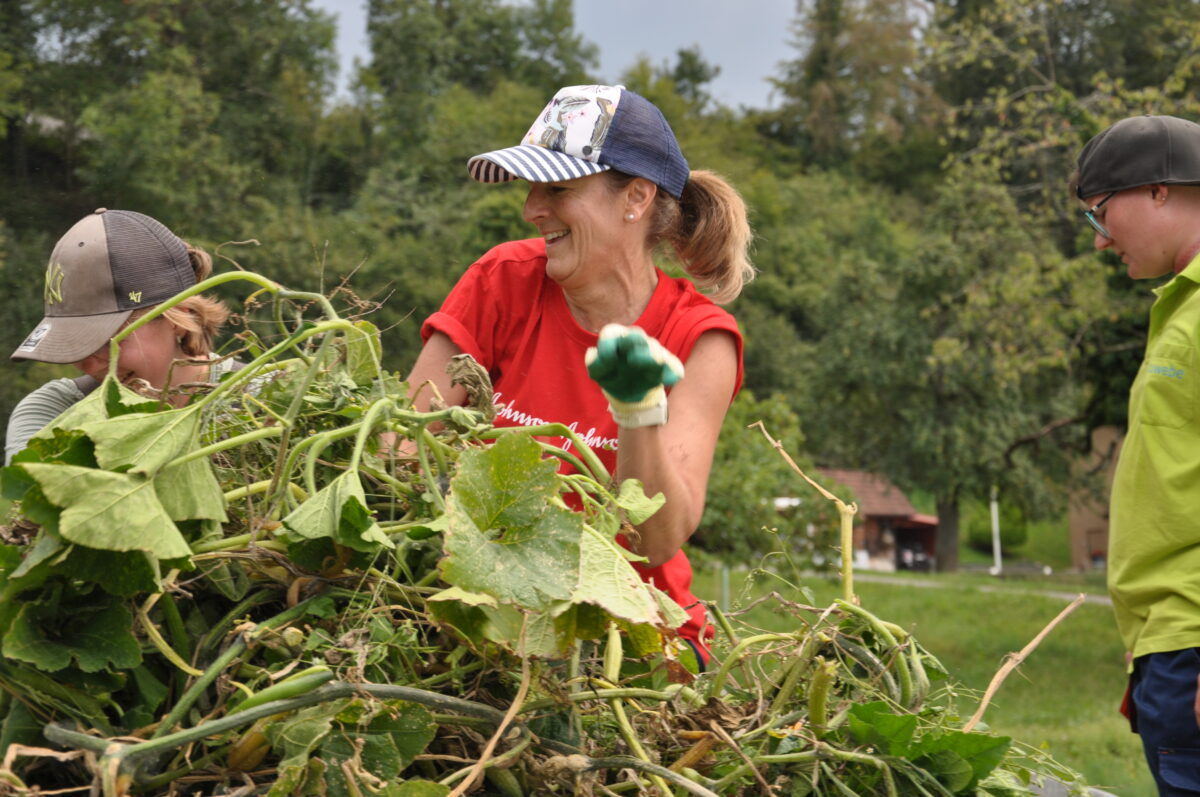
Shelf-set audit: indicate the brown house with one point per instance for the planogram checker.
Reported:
(889, 534)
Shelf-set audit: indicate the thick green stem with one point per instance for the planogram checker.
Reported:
(897, 658)
(628, 693)
(735, 657)
(277, 496)
(225, 445)
(846, 515)
(330, 691)
(818, 695)
(188, 698)
(627, 762)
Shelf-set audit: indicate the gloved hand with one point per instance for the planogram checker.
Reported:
(633, 369)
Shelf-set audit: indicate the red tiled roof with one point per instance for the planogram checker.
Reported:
(874, 493)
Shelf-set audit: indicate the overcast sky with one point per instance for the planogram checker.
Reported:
(746, 38)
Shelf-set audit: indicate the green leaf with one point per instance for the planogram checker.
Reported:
(364, 352)
(390, 741)
(607, 580)
(295, 739)
(123, 574)
(462, 596)
(94, 636)
(191, 492)
(84, 704)
(950, 769)
(151, 693)
(339, 511)
(20, 726)
(874, 724)
(51, 444)
(111, 511)
(89, 408)
(531, 565)
(637, 505)
(143, 442)
(119, 400)
(48, 549)
(505, 485)
(426, 530)
(983, 752)
(547, 635)
(14, 482)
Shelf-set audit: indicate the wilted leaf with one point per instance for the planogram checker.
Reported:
(606, 579)
(390, 741)
(143, 442)
(638, 506)
(339, 511)
(506, 485)
(191, 492)
(112, 511)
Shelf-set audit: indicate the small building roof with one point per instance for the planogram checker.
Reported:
(875, 494)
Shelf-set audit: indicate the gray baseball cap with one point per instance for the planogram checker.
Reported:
(1140, 150)
(109, 264)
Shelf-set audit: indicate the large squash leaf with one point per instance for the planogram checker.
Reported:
(110, 511)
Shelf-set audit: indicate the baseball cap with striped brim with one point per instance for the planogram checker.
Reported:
(586, 130)
(109, 264)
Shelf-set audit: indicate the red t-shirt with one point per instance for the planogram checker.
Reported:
(507, 314)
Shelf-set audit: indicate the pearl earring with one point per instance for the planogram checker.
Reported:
(630, 216)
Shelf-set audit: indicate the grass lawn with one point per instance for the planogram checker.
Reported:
(1063, 698)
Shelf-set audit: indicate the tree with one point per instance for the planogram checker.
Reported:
(150, 145)
(740, 514)
(904, 354)
(1030, 83)
(692, 74)
(423, 48)
(853, 99)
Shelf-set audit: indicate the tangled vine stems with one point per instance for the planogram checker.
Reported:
(114, 754)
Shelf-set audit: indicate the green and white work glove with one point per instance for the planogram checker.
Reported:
(633, 369)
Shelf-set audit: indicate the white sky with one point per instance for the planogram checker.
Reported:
(746, 38)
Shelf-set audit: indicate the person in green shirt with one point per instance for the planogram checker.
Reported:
(1140, 183)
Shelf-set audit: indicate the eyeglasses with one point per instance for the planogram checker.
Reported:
(1090, 215)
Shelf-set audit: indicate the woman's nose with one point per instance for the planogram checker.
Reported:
(535, 206)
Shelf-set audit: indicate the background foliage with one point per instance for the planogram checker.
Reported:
(928, 303)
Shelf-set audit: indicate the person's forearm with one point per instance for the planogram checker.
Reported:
(643, 455)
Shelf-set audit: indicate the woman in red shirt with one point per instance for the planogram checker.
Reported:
(579, 326)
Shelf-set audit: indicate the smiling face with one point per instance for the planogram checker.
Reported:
(583, 222)
(1139, 231)
(146, 354)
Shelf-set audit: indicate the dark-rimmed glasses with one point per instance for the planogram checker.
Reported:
(1090, 215)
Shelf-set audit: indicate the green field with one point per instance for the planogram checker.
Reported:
(1063, 698)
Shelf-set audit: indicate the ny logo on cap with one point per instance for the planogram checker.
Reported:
(54, 281)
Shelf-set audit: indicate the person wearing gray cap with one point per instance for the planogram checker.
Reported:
(579, 326)
(1139, 181)
(109, 269)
